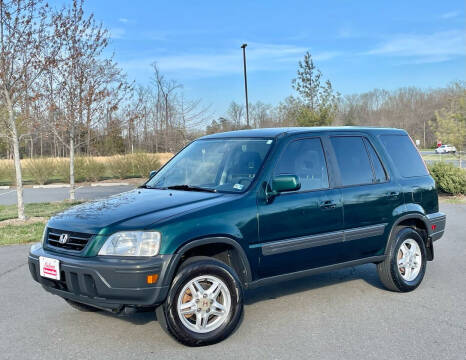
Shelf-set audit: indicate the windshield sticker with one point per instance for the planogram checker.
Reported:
(269, 142)
(238, 187)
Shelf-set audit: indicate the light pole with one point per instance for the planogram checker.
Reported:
(245, 83)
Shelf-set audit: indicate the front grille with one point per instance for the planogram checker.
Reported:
(76, 241)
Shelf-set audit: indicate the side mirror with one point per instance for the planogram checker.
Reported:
(283, 183)
(152, 174)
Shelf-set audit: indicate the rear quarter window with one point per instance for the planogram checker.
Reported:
(404, 155)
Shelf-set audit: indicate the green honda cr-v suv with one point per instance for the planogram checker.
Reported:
(237, 210)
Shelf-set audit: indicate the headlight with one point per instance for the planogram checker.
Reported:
(132, 243)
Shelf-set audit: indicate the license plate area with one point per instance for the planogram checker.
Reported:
(49, 268)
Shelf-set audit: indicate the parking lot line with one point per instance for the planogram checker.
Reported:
(8, 192)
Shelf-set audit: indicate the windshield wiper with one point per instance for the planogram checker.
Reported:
(187, 187)
(152, 187)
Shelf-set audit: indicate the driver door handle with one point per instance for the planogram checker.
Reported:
(328, 204)
(393, 194)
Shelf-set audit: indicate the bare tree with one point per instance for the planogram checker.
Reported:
(105, 87)
(25, 52)
(261, 114)
(83, 42)
(166, 89)
(235, 113)
(409, 108)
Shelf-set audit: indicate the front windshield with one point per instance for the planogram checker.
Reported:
(217, 164)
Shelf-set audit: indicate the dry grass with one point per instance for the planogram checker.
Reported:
(451, 199)
(163, 158)
(17, 222)
(21, 234)
(100, 169)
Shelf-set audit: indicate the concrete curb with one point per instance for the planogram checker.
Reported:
(51, 186)
(5, 187)
(110, 184)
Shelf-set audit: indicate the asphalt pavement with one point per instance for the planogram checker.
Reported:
(31, 195)
(344, 314)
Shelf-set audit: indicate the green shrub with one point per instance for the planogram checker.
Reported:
(144, 164)
(41, 170)
(85, 169)
(120, 166)
(80, 169)
(449, 178)
(62, 169)
(7, 172)
(88, 169)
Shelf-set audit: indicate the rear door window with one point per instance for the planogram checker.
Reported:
(404, 155)
(353, 160)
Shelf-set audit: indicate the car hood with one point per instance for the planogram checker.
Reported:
(136, 209)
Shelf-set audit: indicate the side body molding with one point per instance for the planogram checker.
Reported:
(306, 242)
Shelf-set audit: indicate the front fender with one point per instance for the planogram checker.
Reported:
(247, 276)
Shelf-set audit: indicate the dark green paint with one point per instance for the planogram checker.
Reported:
(253, 218)
(283, 183)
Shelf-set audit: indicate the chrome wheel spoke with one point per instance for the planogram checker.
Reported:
(214, 290)
(205, 319)
(199, 320)
(193, 291)
(404, 249)
(188, 308)
(217, 308)
(408, 271)
(198, 288)
(202, 319)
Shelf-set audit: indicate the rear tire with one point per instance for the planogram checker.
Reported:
(81, 307)
(204, 304)
(405, 265)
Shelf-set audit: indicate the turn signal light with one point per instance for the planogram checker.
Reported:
(152, 279)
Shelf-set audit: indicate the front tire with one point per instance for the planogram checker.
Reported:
(204, 304)
(405, 264)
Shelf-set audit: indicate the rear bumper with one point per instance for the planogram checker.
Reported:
(436, 225)
(104, 282)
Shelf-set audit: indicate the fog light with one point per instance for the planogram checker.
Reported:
(152, 279)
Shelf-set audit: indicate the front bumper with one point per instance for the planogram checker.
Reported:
(105, 282)
(436, 225)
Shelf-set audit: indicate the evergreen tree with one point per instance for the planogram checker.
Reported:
(319, 101)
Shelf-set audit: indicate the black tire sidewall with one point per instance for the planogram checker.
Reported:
(193, 270)
(402, 284)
